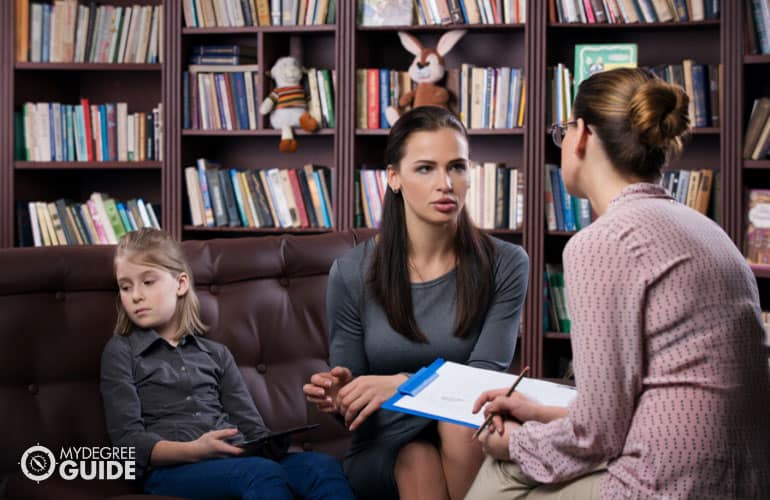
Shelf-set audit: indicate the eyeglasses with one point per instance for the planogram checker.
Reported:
(558, 131)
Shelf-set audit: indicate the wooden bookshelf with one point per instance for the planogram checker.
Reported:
(344, 46)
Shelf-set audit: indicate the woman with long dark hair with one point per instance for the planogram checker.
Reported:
(429, 285)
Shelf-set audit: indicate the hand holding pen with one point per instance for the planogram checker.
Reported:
(497, 403)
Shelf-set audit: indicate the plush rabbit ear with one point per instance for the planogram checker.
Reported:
(448, 40)
(410, 43)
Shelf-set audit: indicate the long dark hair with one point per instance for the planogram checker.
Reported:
(388, 278)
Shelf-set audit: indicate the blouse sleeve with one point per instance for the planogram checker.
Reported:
(497, 340)
(346, 333)
(605, 295)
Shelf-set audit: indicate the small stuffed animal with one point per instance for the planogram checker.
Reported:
(287, 103)
(426, 69)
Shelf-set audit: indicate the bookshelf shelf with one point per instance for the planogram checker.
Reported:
(256, 230)
(561, 234)
(251, 133)
(28, 66)
(88, 165)
(247, 30)
(756, 164)
(503, 232)
(705, 131)
(756, 59)
(684, 25)
(445, 27)
(556, 336)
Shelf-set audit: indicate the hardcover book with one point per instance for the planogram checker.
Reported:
(595, 58)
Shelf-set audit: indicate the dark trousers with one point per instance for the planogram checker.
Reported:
(305, 475)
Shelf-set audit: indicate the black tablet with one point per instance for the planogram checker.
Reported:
(274, 445)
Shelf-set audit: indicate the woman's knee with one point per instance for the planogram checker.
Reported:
(416, 455)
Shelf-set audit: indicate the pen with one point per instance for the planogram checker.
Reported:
(510, 391)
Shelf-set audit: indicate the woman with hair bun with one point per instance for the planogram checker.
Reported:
(672, 375)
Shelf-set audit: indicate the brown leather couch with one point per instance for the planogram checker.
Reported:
(263, 297)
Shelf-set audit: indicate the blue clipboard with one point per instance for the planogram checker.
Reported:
(413, 386)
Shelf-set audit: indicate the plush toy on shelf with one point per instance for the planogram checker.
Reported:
(426, 70)
(287, 103)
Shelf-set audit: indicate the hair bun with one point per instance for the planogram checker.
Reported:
(658, 113)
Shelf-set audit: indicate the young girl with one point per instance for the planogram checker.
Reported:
(179, 399)
(431, 285)
(673, 390)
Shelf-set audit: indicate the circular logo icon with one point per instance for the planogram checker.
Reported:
(38, 463)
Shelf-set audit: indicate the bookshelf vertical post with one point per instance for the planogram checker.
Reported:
(7, 46)
(732, 49)
(171, 173)
(534, 161)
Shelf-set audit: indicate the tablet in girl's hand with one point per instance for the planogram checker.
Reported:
(275, 445)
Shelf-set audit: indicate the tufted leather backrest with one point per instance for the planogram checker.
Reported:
(262, 297)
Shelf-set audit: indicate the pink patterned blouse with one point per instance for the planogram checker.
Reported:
(669, 358)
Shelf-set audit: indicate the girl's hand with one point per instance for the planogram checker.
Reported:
(516, 405)
(324, 386)
(495, 444)
(364, 395)
(213, 445)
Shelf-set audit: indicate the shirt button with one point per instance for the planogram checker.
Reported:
(188, 398)
(183, 368)
(197, 414)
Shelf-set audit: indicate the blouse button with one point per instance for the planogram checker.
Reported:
(261, 368)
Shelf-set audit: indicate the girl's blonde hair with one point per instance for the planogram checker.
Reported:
(155, 248)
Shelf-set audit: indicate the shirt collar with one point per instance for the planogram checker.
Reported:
(640, 190)
(141, 340)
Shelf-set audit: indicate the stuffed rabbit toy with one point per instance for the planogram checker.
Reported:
(426, 70)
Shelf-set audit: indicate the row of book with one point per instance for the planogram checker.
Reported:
(485, 97)
(440, 12)
(555, 312)
(221, 97)
(701, 82)
(67, 31)
(563, 212)
(756, 141)
(495, 198)
(757, 36)
(234, 13)
(766, 324)
(282, 198)
(52, 131)
(632, 11)
(690, 187)
(100, 220)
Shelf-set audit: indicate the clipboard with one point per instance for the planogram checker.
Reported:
(446, 391)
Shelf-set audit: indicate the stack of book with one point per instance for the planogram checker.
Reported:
(690, 187)
(481, 97)
(441, 12)
(234, 13)
(756, 142)
(51, 131)
(101, 220)
(757, 39)
(558, 319)
(66, 31)
(285, 198)
(632, 11)
(563, 212)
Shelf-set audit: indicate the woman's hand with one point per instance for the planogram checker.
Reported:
(324, 386)
(495, 444)
(364, 395)
(516, 405)
(213, 445)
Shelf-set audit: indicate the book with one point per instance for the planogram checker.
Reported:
(757, 244)
(385, 12)
(594, 58)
